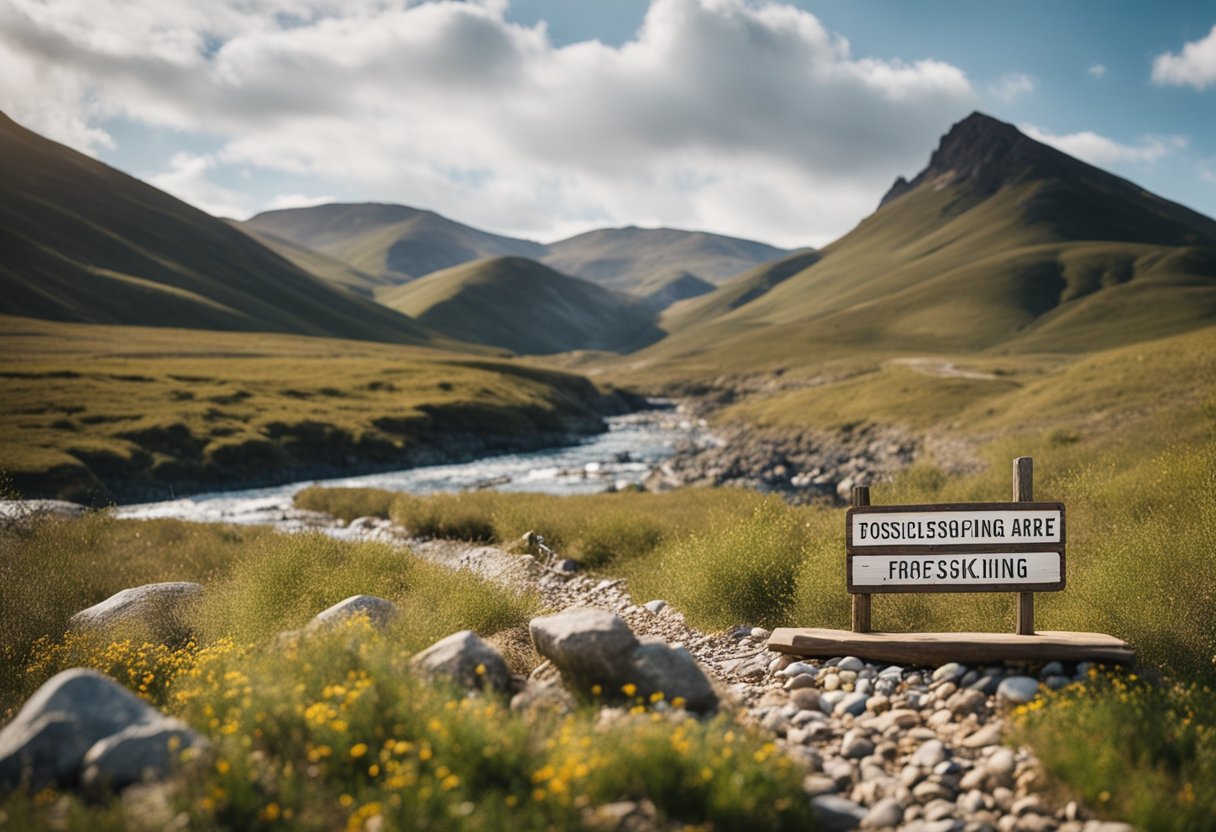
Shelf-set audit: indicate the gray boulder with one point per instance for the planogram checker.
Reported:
(656, 667)
(159, 611)
(137, 753)
(50, 736)
(466, 660)
(379, 611)
(589, 646)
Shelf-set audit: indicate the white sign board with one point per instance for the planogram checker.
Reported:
(954, 528)
(886, 572)
(968, 547)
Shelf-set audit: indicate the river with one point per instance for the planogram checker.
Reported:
(632, 446)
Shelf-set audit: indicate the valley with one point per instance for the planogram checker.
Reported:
(464, 415)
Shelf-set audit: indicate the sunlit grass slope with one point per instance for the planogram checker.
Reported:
(394, 242)
(322, 265)
(1002, 244)
(92, 412)
(84, 242)
(524, 306)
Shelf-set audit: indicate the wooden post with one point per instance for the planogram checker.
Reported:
(861, 601)
(1023, 492)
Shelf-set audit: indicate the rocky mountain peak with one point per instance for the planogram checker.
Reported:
(985, 153)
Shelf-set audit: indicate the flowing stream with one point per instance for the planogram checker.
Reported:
(631, 447)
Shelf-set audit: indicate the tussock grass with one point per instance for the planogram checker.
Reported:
(737, 570)
(596, 529)
(257, 582)
(1139, 751)
(52, 570)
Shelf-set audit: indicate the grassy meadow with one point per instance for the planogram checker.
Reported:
(336, 731)
(93, 413)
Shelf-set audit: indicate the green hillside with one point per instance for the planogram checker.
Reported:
(1001, 243)
(393, 242)
(84, 242)
(524, 306)
(625, 258)
(321, 265)
(663, 289)
(95, 413)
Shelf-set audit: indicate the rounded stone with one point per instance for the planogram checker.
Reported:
(1018, 690)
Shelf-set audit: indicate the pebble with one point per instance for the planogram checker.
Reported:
(798, 668)
(831, 682)
(852, 664)
(1018, 690)
(855, 746)
(1051, 669)
(802, 681)
(1001, 763)
(878, 704)
(930, 754)
(885, 813)
(948, 672)
(805, 698)
(655, 606)
(990, 734)
(853, 703)
(837, 814)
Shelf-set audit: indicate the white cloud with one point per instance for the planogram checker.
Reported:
(1100, 150)
(187, 180)
(295, 201)
(720, 114)
(1195, 66)
(1012, 85)
(1097, 71)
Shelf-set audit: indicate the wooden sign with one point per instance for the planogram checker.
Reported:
(970, 547)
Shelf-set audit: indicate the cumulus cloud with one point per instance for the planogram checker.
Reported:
(1012, 85)
(717, 114)
(1097, 71)
(187, 180)
(1100, 150)
(1194, 66)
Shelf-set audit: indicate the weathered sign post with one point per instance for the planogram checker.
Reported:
(971, 547)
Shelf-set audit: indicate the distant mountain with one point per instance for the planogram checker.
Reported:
(1001, 242)
(396, 244)
(623, 258)
(84, 242)
(393, 242)
(524, 306)
(738, 291)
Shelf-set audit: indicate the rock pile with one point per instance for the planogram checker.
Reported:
(800, 466)
(83, 728)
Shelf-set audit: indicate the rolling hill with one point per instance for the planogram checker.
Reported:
(624, 258)
(1000, 244)
(86, 243)
(321, 265)
(393, 242)
(396, 244)
(524, 306)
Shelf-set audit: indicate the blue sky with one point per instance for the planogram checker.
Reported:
(780, 122)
